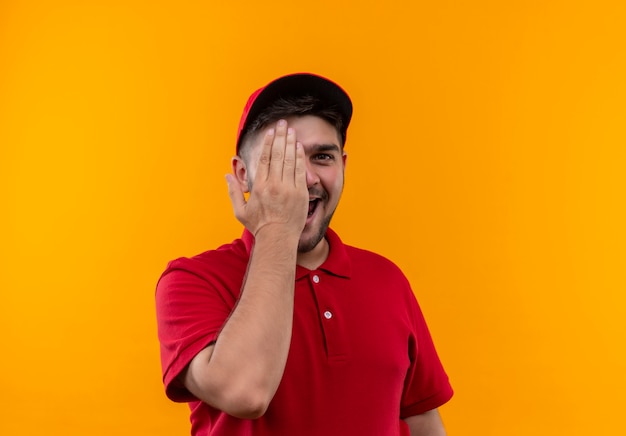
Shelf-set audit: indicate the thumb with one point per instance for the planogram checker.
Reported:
(236, 195)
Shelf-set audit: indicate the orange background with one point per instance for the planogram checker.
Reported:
(486, 158)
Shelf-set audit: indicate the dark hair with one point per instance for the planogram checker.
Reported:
(294, 106)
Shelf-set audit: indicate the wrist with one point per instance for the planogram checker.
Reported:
(275, 245)
(273, 232)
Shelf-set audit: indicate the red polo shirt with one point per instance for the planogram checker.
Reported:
(361, 356)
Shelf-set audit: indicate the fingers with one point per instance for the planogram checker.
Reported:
(290, 155)
(277, 155)
(300, 167)
(265, 157)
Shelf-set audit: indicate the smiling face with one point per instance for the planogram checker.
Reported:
(325, 162)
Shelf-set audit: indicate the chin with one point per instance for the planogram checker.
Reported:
(304, 246)
(311, 237)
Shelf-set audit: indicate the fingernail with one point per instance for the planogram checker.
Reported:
(270, 131)
(290, 131)
(282, 123)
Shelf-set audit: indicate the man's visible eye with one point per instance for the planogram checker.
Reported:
(324, 157)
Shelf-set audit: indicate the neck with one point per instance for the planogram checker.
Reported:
(314, 258)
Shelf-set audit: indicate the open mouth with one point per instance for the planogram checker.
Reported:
(312, 206)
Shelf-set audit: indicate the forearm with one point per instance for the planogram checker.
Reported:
(252, 348)
(243, 371)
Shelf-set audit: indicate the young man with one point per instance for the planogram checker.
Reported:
(287, 331)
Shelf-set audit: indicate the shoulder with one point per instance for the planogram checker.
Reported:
(217, 261)
(371, 270)
(361, 261)
(364, 260)
(220, 269)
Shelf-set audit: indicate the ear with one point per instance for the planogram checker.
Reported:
(240, 170)
(344, 158)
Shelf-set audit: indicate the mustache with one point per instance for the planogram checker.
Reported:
(318, 193)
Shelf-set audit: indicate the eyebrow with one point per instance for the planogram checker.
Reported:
(318, 148)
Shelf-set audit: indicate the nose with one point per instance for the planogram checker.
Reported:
(311, 176)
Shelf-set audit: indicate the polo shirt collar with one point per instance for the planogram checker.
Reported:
(337, 263)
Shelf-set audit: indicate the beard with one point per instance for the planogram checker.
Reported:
(306, 245)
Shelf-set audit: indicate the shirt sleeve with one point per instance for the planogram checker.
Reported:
(427, 385)
(190, 315)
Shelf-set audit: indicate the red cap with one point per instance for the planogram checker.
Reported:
(296, 85)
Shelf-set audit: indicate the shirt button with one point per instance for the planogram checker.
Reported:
(316, 278)
(328, 314)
